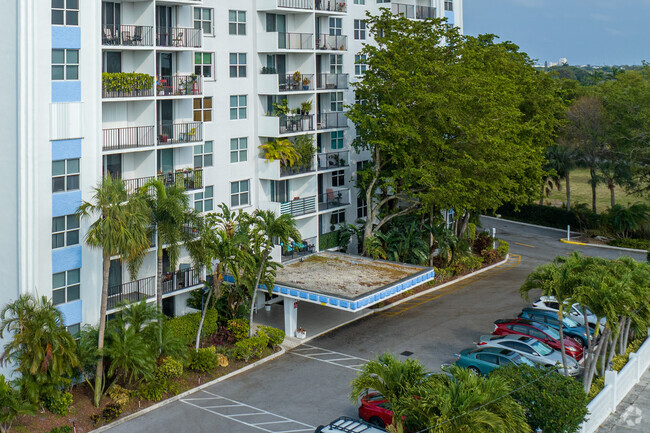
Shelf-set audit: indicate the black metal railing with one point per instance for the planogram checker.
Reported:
(333, 159)
(334, 198)
(332, 81)
(174, 133)
(296, 123)
(181, 37)
(179, 85)
(182, 279)
(332, 42)
(332, 5)
(131, 36)
(425, 12)
(332, 120)
(408, 11)
(296, 4)
(186, 178)
(296, 82)
(297, 169)
(128, 138)
(298, 249)
(144, 90)
(133, 291)
(299, 206)
(135, 185)
(295, 41)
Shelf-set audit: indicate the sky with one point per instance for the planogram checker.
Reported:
(595, 32)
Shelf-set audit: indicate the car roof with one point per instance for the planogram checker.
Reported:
(538, 311)
(521, 321)
(349, 425)
(495, 350)
(517, 337)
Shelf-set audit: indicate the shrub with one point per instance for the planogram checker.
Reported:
(169, 369)
(466, 263)
(59, 403)
(205, 359)
(152, 390)
(111, 411)
(619, 361)
(94, 418)
(597, 385)
(126, 81)
(275, 335)
(222, 337)
(119, 395)
(634, 346)
(62, 429)
(443, 273)
(639, 244)
(503, 248)
(490, 256)
(482, 242)
(552, 402)
(187, 326)
(239, 328)
(249, 348)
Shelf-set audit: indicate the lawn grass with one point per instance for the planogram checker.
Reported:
(581, 193)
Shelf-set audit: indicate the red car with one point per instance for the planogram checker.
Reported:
(376, 410)
(541, 332)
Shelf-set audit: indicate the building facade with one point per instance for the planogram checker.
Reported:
(182, 90)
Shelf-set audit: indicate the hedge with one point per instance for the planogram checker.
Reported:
(187, 326)
(639, 244)
(328, 240)
(541, 215)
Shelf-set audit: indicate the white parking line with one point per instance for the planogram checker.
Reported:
(291, 427)
(318, 354)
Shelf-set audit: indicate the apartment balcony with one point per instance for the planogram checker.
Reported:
(134, 185)
(127, 36)
(332, 199)
(188, 179)
(299, 206)
(333, 160)
(274, 170)
(184, 279)
(331, 81)
(425, 12)
(126, 85)
(179, 85)
(270, 84)
(133, 291)
(332, 42)
(132, 137)
(272, 126)
(295, 250)
(178, 37)
(332, 5)
(271, 42)
(297, 169)
(277, 5)
(413, 12)
(332, 120)
(180, 133)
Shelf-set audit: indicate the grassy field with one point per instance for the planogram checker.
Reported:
(581, 193)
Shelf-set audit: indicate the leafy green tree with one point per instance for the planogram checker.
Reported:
(551, 401)
(12, 405)
(121, 229)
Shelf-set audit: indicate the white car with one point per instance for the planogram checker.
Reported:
(575, 311)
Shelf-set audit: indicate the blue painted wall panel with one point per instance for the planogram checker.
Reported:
(65, 203)
(64, 259)
(66, 149)
(72, 312)
(66, 37)
(66, 91)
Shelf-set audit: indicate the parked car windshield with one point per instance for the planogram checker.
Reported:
(550, 332)
(570, 322)
(518, 359)
(541, 348)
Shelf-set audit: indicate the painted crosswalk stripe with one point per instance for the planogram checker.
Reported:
(320, 354)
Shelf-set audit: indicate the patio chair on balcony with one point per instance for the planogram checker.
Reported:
(178, 40)
(109, 38)
(125, 35)
(137, 36)
(188, 136)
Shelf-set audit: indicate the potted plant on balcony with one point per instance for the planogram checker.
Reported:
(340, 7)
(301, 333)
(161, 86)
(305, 107)
(305, 83)
(296, 80)
(281, 109)
(282, 150)
(304, 145)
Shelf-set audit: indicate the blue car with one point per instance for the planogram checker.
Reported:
(484, 360)
(570, 327)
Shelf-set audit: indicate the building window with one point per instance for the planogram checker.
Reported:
(238, 107)
(336, 24)
(239, 193)
(237, 65)
(65, 12)
(361, 165)
(360, 65)
(336, 64)
(336, 140)
(338, 217)
(362, 207)
(65, 175)
(65, 286)
(203, 20)
(238, 149)
(360, 29)
(203, 155)
(237, 22)
(449, 5)
(338, 178)
(203, 64)
(74, 329)
(65, 64)
(203, 109)
(336, 101)
(65, 231)
(203, 201)
(359, 2)
(383, 1)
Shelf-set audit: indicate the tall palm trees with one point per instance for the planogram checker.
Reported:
(121, 229)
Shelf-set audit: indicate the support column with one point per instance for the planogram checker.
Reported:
(259, 301)
(290, 316)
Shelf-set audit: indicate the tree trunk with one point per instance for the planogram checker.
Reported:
(99, 374)
(626, 335)
(541, 194)
(431, 238)
(568, 192)
(611, 195)
(159, 277)
(590, 364)
(592, 172)
(216, 281)
(621, 339)
(561, 317)
(257, 283)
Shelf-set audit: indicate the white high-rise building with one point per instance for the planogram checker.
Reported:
(213, 73)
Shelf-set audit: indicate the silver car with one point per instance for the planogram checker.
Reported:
(574, 311)
(532, 349)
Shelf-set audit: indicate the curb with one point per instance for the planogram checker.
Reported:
(188, 392)
(528, 224)
(609, 247)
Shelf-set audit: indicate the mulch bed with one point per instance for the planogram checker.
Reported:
(82, 407)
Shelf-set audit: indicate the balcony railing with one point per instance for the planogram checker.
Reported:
(296, 169)
(293, 83)
(295, 41)
(181, 37)
(128, 138)
(299, 206)
(332, 120)
(296, 123)
(332, 5)
(332, 42)
(133, 291)
(334, 198)
(298, 249)
(181, 279)
(134, 185)
(408, 11)
(333, 160)
(175, 133)
(332, 81)
(179, 85)
(425, 12)
(130, 36)
(188, 179)
(296, 4)
(135, 85)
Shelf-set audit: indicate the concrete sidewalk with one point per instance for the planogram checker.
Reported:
(633, 413)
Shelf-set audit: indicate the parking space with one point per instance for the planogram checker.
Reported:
(330, 357)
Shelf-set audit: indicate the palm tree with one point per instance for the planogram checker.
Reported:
(392, 379)
(267, 228)
(561, 158)
(121, 228)
(623, 221)
(11, 405)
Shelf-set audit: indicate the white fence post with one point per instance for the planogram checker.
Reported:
(610, 379)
